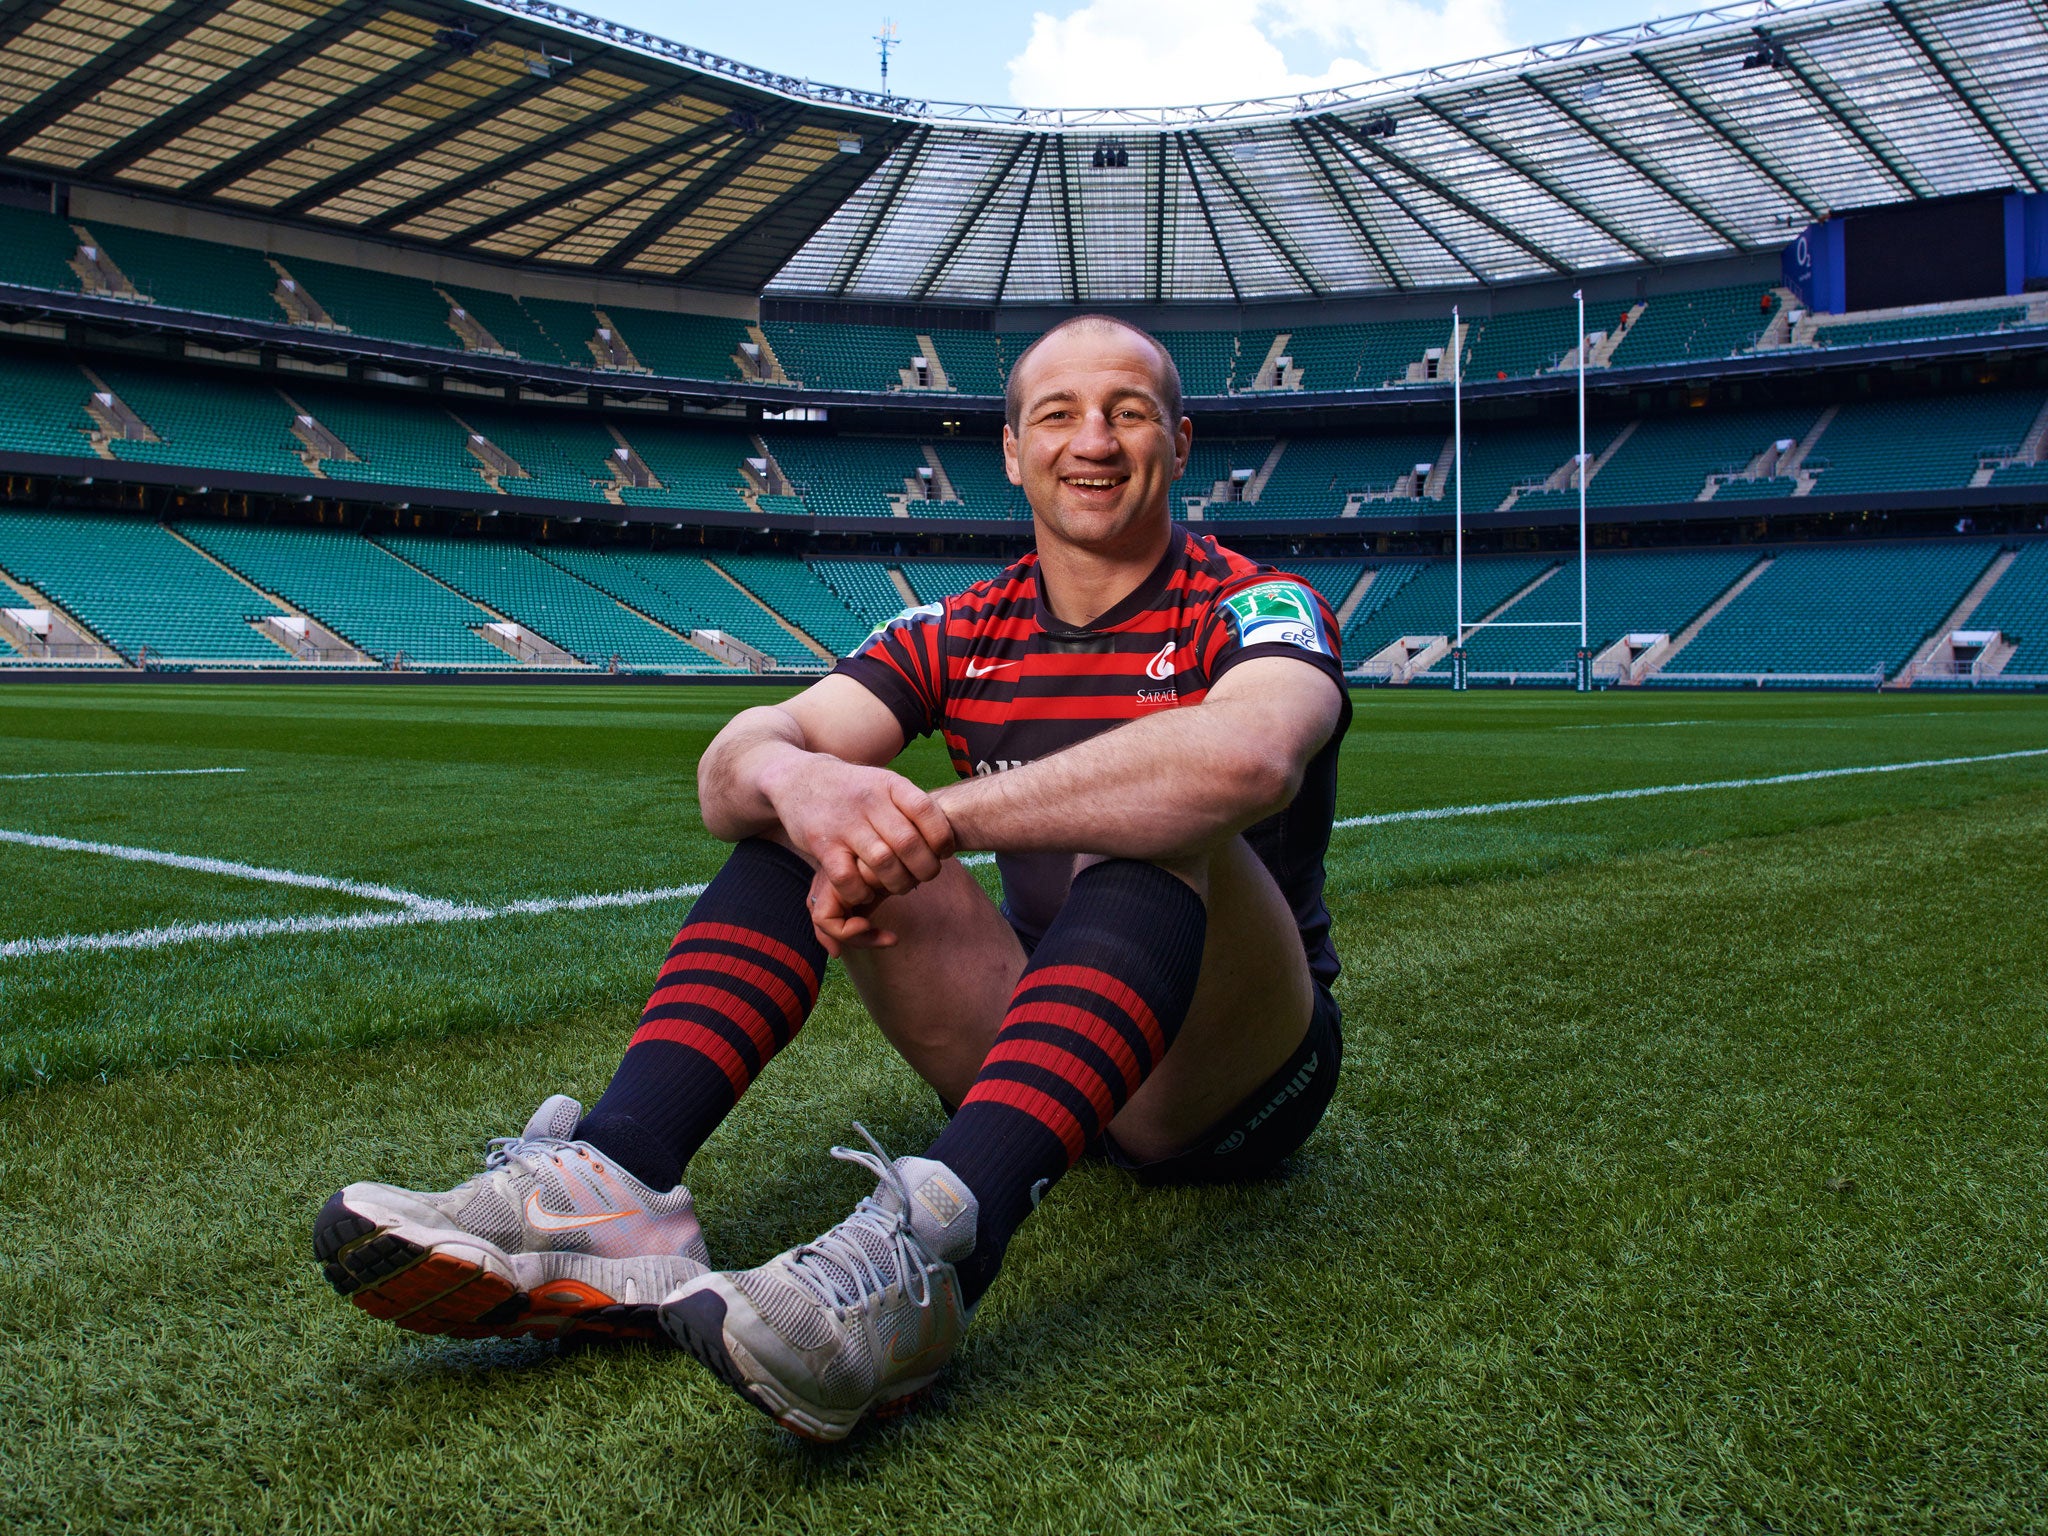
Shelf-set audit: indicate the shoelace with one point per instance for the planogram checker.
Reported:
(521, 1152)
(839, 1270)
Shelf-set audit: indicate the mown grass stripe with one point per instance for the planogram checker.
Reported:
(1497, 807)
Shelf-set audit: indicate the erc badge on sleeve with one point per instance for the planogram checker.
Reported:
(932, 611)
(1277, 612)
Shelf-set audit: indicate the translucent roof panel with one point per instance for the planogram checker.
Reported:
(522, 131)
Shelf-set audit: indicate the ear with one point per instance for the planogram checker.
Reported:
(1183, 443)
(1010, 465)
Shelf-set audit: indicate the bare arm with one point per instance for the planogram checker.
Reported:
(1167, 785)
(810, 772)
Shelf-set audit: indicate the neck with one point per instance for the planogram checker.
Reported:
(1077, 585)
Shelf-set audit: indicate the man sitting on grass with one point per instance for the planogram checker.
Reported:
(1146, 727)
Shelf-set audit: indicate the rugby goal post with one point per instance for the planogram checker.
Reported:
(1582, 660)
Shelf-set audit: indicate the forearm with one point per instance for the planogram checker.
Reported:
(1167, 786)
(735, 774)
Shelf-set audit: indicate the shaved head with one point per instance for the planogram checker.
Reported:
(1168, 375)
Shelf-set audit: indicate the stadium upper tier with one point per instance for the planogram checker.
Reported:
(209, 593)
(311, 436)
(521, 132)
(327, 305)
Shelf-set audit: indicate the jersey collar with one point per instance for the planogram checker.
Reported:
(1134, 604)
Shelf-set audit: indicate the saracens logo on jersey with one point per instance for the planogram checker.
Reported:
(1279, 611)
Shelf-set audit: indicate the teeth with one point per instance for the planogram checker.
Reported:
(1093, 484)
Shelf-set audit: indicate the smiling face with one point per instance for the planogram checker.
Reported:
(1093, 445)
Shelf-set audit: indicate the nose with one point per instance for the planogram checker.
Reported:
(1094, 439)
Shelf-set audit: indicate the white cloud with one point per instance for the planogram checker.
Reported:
(1171, 52)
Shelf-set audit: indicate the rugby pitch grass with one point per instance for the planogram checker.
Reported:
(1687, 1171)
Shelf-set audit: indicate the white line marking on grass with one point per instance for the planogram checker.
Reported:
(1634, 725)
(123, 773)
(1445, 812)
(431, 912)
(229, 867)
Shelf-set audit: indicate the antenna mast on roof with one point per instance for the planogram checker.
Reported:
(887, 39)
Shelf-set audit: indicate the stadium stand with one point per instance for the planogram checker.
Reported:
(1317, 476)
(1637, 592)
(199, 275)
(1924, 325)
(511, 326)
(932, 580)
(801, 596)
(239, 424)
(1885, 445)
(1499, 458)
(973, 360)
(686, 593)
(676, 345)
(378, 304)
(139, 588)
(397, 442)
(362, 592)
(46, 407)
(699, 468)
(1853, 612)
(36, 250)
(1668, 459)
(2017, 605)
(862, 357)
(1523, 344)
(584, 621)
(1205, 359)
(847, 477)
(563, 455)
(1700, 324)
(1425, 600)
(976, 469)
(863, 585)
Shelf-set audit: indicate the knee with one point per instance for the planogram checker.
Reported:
(1192, 870)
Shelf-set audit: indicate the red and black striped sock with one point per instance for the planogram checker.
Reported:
(1093, 1013)
(737, 985)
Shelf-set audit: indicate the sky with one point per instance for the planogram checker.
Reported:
(1086, 53)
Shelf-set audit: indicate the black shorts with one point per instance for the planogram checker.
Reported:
(1272, 1122)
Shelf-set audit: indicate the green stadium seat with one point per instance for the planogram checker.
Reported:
(2018, 605)
(1845, 611)
(139, 588)
(364, 593)
(582, 619)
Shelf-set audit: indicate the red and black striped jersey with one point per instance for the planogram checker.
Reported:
(1005, 683)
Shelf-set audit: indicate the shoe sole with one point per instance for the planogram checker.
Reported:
(463, 1288)
(696, 1323)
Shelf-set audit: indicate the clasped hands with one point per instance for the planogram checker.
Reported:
(868, 834)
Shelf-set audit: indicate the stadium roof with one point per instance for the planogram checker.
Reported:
(521, 131)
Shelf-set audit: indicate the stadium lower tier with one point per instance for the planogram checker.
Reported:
(117, 591)
(201, 278)
(320, 433)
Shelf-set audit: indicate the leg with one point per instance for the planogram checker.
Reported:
(738, 983)
(1250, 1012)
(938, 994)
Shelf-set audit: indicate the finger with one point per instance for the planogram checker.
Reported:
(918, 860)
(879, 863)
(924, 813)
(842, 871)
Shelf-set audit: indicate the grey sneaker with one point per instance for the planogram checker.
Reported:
(860, 1319)
(552, 1239)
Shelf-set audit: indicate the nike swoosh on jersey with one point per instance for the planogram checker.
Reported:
(542, 1219)
(995, 666)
